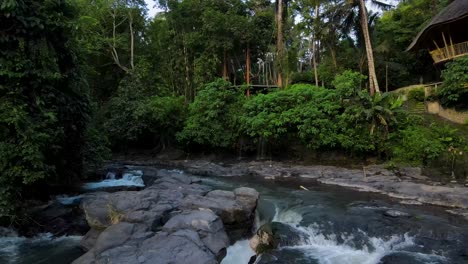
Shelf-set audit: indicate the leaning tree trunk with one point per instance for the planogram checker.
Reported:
(225, 66)
(279, 44)
(373, 83)
(314, 46)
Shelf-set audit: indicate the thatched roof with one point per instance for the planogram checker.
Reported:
(456, 11)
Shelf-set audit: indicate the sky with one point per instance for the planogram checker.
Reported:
(152, 10)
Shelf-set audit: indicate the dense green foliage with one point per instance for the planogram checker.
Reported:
(420, 144)
(454, 91)
(417, 95)
(43, 98)
(213, 119)
(78, 78)
(313, 115)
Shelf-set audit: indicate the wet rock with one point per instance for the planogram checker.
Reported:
(7, 232)
(237, 214)
(146, 207)
(128, 243)
(89, 240)
(397, 259)
(57, 219)
(273, 235)
(208, 225)
(183, 246)
(175, 220)
(395, 213)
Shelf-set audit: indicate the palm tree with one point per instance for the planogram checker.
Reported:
(279, 42)
(357, 8)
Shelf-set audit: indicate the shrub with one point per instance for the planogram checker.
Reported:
(213, 117)
(302, 77)
(417, 94)
(348, 83)
(134, 115)
(272, 115)
(454, 90)
(420, 144)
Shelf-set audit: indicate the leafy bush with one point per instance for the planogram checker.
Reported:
(162, 116)
(96, 149)
(274, 114)
(454, 90)
(213, 119)
(420, 144)
(348, 83)
(302, 77)
(134, 115)
(417, 95)
(121, 124)
(368, 121)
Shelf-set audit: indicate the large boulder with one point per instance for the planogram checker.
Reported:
(207, 224)
(174, 220)
(145, 207)
(135, 244)
(236, 209)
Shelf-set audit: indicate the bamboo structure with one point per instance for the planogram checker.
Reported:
(446, 36)
(449, 52)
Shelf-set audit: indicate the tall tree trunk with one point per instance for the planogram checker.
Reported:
(132, 39)
(314, 46)
(247, 67)
(333, 55)
(373, 83)
(187, 72)
(113, 46)
(225, 66)
(279, 44)
(314, 60)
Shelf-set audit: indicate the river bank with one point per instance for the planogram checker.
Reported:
(409, 185)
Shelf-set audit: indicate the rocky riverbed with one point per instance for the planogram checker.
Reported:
(407, 184)
(173, 220)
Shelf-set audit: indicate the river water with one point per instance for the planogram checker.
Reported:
(337, 226)
(341, 226)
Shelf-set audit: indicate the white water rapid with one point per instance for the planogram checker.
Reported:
(129, 178)
(326, 249)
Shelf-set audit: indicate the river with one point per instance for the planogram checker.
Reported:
(338, 226)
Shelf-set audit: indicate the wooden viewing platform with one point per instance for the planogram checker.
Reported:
(449, 52)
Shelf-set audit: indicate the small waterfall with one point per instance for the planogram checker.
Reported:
(239, 253)
(129, 178)
(344, 248)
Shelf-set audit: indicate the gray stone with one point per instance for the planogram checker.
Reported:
(222, 194)
(89, 240)
(113, 236)
(183, 246)
(229, 210)
(203, 220)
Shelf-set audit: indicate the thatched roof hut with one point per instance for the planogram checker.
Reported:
(446, 36)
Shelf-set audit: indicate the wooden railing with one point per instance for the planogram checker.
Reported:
(449, 52)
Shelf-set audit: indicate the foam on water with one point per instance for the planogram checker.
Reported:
(327, 250)
(287, 216)
(238, 253)
(129, 178)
